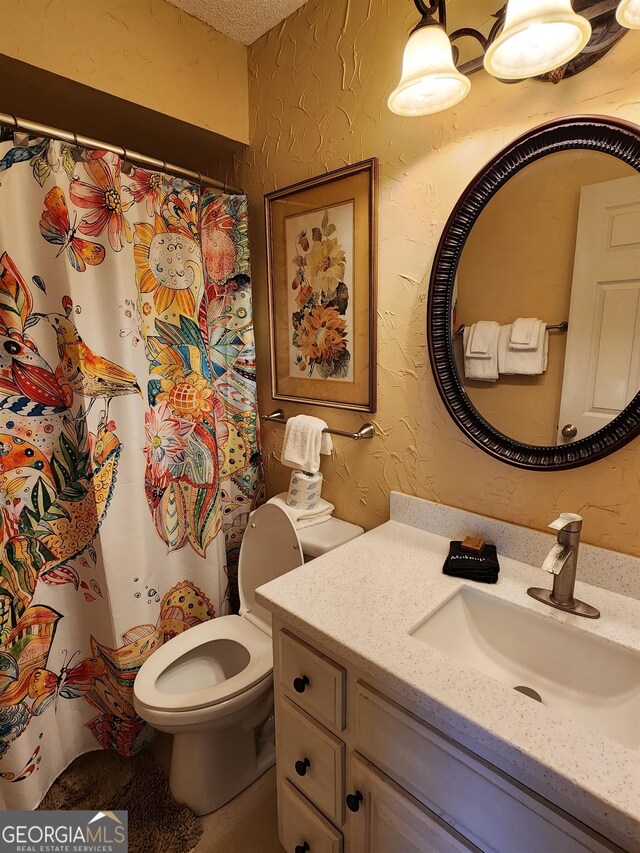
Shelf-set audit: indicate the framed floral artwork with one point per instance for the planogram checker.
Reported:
(321, 261)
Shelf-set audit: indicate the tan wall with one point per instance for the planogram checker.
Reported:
(145, 51)
(57, 101)
(318, 90)
(518, 262)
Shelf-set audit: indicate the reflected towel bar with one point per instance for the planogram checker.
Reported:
(365, 431)
(559, 327)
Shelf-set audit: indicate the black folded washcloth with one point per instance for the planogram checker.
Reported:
(473, 567)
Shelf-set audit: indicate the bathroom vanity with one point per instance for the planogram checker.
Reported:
(397, 728)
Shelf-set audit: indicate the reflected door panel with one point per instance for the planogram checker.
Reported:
(602, 362)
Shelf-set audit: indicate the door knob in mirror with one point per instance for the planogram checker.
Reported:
(569, 431)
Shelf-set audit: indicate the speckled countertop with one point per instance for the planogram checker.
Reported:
(362, 600)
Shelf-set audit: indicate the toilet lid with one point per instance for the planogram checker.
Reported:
(204, 666)
(270, 548)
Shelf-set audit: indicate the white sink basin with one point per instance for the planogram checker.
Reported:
(586, 678)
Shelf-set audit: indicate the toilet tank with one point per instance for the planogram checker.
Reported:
(321, 538)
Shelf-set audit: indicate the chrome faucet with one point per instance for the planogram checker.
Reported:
(562, 562)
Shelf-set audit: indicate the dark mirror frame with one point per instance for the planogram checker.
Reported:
(595, 133)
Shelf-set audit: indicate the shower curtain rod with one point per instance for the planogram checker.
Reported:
(37, 129)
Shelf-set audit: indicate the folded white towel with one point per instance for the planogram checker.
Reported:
(304, 441)
(482, 339)
(484, 369)
(302, 518)
(523, 362)
(525, 333)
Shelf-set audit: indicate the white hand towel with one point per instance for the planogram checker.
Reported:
(302, 518)
(482, 340)
(523, 362)
(482, 369)
(304, 441)
(525, 333)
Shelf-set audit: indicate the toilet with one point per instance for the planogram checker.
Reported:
(211, 687)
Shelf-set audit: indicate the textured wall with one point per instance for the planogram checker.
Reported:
(146, 51)
(318, 89)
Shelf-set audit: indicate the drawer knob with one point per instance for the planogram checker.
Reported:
(302, 848)
(301, 767)
(354, 800)
(300, 684)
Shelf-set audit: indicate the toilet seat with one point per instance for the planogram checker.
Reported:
(148, 684)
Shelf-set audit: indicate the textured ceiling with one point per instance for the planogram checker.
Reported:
(242, 20)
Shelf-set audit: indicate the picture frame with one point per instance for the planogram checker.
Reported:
(321, 269)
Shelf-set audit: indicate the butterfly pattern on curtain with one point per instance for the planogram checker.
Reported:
(187, 310)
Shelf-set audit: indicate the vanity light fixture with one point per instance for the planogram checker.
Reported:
(628, 14)
(430, 81)
(537, 37)
(548, 39)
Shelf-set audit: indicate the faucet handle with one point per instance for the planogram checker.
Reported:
(565, 519)
(556, 558)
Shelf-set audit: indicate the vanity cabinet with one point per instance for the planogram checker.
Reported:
(360, 773)
(391, 821)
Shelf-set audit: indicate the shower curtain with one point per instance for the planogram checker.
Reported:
(129, 447)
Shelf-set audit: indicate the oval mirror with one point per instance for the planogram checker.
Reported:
(534, 300)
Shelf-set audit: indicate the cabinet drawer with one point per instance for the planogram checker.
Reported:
(312, 758)
(485, 805)
(300, 823)
(312, 680)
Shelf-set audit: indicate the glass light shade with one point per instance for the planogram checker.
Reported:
(628, 14)
(430, 81)
(538, 36)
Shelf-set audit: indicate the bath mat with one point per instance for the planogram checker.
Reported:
(105, 780)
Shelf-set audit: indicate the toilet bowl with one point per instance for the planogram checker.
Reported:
(211, 687)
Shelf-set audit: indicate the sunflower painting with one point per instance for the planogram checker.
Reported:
(320, 253)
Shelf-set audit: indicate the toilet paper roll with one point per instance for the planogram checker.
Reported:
(304, 490)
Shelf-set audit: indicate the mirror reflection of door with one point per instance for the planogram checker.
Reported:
(602, 362)
(520, 260)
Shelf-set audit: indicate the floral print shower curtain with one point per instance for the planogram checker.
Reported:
(129, 449)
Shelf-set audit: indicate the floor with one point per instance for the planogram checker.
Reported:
(248, 822)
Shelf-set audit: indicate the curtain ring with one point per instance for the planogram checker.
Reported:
(75, 139)
(18, 137)
(200, 178)
(127, 165)
(164, 166)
